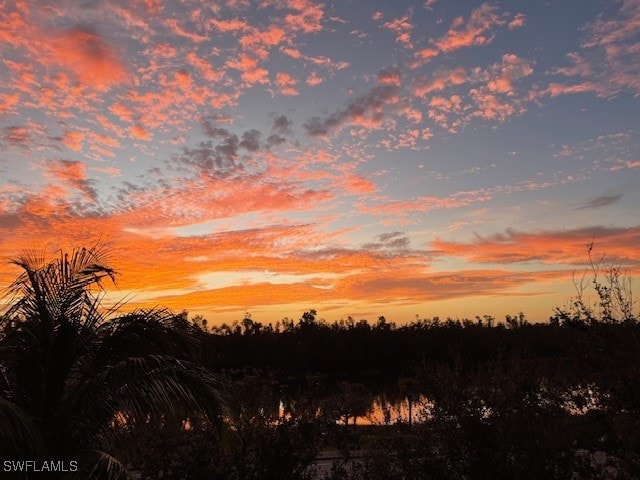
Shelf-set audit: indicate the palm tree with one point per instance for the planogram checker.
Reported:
(72, 373)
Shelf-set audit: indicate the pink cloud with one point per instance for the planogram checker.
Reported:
(73, 174)
(258, 42)
(73, 140)
(427, 53)
(105, 140)
(91, 60)
(419, 285)
(291, 52)
(205, 68)
(511, 69)
(425, 204)
(443, 78)
(219, 100)
(402, 27)
(441, 109)
(389, 76)
(517, 21)
(164, 50)
(491, 107)
(123, 112)
(358, 185)
(113, 172)
(8, 102)
(476, 31)
(14, 23)
(412, 114)
(29, 136)
(408, 139)
(231, 25)
(365, 111)
(556, 89)
(326, 62)
(286, 83)
(307, 17)
(178, 30)
(608, 61)
(567, 246)
(272, 36)
(250, 71)
(152, 6)
(139, 132)
(25, 77)
(108, 125)
(313, 79)
(492, 97)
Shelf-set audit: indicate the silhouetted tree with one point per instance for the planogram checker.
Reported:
(74, 375)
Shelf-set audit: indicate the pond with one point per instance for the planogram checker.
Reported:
(380, 411)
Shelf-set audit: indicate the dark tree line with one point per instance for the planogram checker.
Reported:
(508, 400)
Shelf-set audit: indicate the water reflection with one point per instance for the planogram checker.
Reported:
(381, 411)
(385, 412)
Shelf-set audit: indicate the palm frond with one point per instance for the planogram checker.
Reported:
(73, 371)
(150, 332)
(99, 465)
(20, 434)
(140, 389)
(59, 289)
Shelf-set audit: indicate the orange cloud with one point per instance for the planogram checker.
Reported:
(518, 21)
(286, 83)
(258, 42)
(251, 73)
(230, 25)
(556, 89)
(73, 140)
(84, 53)
(511, 69)
(490, 107)
(313, 79)
(14, 23)
(123, 112)
(477, 30)
(307, 17)
(8, 102)
(139, 132)
(205, 68)
(425, 204)
(291, 52)
(178, 30)
(358, 185)
(73, 174)
(389, 76)
(607, 63)
(366, 111)
(549, 247)
(417, 286)
(443, 78)
(402, 27)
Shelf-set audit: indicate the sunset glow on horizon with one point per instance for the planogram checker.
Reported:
(359, 158)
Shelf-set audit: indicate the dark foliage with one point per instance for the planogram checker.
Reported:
(72, 375)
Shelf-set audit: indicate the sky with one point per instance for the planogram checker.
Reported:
(362, 158)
